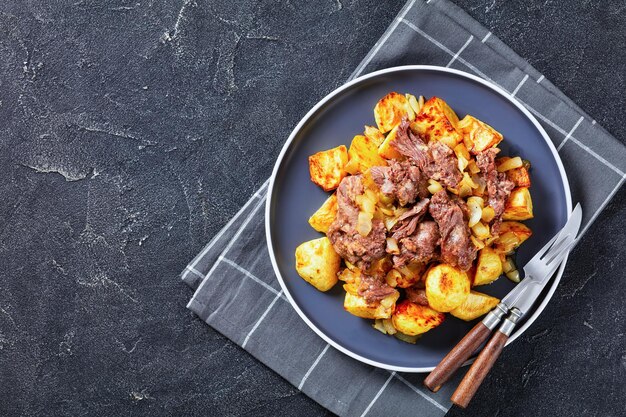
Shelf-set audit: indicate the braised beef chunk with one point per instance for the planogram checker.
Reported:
(357, 249)
(348, 243)
(456, 247)
(498, 186)
(421, 246)
(417, 295)
(424, 242)
(444, 165)
(410, 182)
(382, 178)
(401, 180)
(374, 288)
(411, 146)
(404, 180)
(436, 160)
(407, 222)
(347, 210)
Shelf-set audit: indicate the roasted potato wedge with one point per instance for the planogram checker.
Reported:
(512, 234)
(437, 121)
(390, 110)
(362, 155)
(318, 263)
(478, 135)
(327, 168)
(374, 135)
(475, 305)
(488, 267)
(412, 319)
(386, 150)
(325, 215)
(519, 206)
(446, 287)
(358, 306)
(520, 177)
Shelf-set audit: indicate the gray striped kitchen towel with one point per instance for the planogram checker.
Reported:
(237, 293)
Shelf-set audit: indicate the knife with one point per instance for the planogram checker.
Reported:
(517, 303)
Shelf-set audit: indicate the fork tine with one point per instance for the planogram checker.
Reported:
(542, 265)
(571, 227)
(559, 256)
(544, 250)
(549, 268)
(556, 248)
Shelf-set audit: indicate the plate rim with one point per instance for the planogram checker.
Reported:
(270, 194)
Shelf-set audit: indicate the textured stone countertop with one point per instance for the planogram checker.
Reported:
(133, 130)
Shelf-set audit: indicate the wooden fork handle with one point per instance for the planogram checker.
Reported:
(484, 362)
(457, 357)
(479, 370)
(464, 349)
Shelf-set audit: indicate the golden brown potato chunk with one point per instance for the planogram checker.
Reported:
(325, 215)
(519, 176)
(362, 155)
(374, 135)
(318, 263)
(478, 135)
(475, 305)
(488, 268)
(327, 167)
(512, 234)
(519, 206)
(358, 306)
(412, 319)
(446, 287)
(437, 122)
(386, 150)
(390, 110)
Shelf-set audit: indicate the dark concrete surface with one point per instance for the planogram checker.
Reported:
(131, 131)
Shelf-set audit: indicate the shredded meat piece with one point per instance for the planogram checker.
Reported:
(417, 294)
(498, 186)
(411, 183)
(404, 180)
(421, 246)
(437, 160)
(407, 222)
(444, 165)
(382, 178)
(348, 243)
(411, 146)
(347, 210)
(456, 247)
(401, 180)
(373, 288)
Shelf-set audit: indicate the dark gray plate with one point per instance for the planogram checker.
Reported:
(334, 121)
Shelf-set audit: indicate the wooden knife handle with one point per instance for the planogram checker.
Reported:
(457, 357)
(479, 370)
